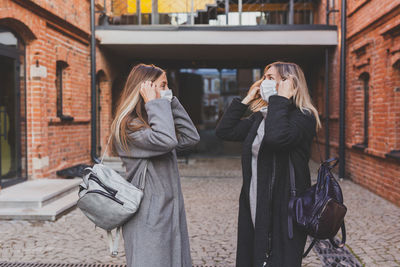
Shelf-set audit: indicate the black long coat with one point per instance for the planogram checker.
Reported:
(287, 130)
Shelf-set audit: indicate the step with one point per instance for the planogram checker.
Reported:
(36, 193)
(50, 212)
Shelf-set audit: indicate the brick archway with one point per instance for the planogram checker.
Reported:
(20, 28)
(13, 166)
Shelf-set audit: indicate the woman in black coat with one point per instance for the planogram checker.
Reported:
(283, 123)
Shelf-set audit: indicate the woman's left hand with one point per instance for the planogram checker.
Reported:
(285, 88)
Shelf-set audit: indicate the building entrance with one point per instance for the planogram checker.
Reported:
(12, 111)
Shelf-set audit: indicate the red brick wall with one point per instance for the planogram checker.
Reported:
(74, 11)
(370, 49)
(52, 144)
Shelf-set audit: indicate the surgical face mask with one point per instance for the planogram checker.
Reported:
(166, 94)
(267, 89)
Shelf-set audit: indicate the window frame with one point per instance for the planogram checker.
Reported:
(365, 79)
(61, 66)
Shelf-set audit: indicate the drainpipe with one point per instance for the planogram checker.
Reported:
(342, 91)
(327, 12)
(93, 82)
(327, 143)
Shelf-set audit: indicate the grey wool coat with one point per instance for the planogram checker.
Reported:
(157, 234)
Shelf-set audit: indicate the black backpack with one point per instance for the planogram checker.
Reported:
(319, 210)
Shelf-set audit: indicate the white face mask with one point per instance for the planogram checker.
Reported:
(166, 94)
(267, 89)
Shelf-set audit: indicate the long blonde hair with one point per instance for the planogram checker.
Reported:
(301, 98)
(130, 114)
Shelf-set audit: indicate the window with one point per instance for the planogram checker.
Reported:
(365, 79)
(395, 109)
(60, 70)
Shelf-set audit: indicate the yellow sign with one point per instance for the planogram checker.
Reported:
(164, 6)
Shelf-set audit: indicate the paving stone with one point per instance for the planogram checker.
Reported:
(211, 190)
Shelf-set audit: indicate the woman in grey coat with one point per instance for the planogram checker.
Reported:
(149, 125)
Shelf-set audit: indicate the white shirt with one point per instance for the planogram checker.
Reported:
(254, 150)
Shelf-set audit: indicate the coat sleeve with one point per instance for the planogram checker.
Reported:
(157, 140)
(231, 127)
(186, 132)
(285, 130)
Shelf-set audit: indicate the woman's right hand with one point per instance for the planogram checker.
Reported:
(252, 94)
(149, 91)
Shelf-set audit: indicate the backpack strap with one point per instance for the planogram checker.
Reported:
(343, 242)
(341, 245)
(114, 244)
(291, 200)
(310, 247)
(105, 150)
(331, 163)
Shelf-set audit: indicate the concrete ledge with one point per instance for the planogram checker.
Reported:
(36, 193)
(49, 212)
(224, 38)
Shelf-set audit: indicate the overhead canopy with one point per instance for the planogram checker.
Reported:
(221, 45)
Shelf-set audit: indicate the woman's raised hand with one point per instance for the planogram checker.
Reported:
(286, 88)
(149, 91)
(252, 94)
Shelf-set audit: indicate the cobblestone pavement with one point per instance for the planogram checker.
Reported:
(211, 190)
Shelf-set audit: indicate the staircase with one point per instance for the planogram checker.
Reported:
(41, 199)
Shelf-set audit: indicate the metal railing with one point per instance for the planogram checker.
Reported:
(211, 12)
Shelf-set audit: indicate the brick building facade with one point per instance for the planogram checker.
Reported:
(55, 36)
(372, 123)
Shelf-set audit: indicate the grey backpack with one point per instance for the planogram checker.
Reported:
(109, 200)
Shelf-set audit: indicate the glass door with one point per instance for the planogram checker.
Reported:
(9, 162)
(12, 113)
